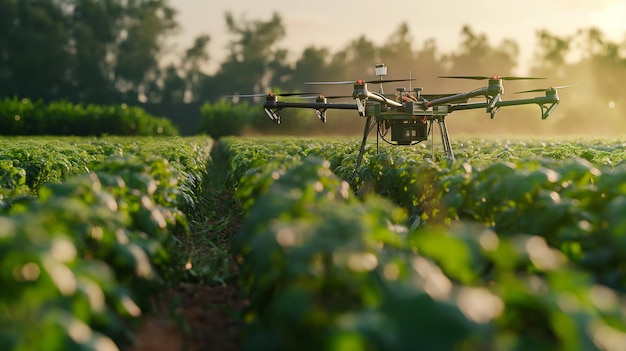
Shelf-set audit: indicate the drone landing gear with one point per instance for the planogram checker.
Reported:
(370, 123)
(445, 138)
(546, 109)
(273, 114)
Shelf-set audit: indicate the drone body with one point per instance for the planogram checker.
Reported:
(408, 117)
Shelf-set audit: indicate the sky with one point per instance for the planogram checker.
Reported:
(334, 24)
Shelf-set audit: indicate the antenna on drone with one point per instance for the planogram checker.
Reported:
(380, 71)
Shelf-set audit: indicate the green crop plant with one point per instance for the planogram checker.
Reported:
(82, 255)
(508, 247)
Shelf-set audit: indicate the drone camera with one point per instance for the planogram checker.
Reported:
(407, 132)
(380, 70)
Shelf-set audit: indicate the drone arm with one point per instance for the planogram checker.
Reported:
(467, 106)
(382, 99)
(272, 108)
(547, 103)
(536, 100)
(486, 91)
(314, 105)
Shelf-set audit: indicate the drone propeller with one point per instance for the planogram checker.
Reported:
(338, 96)
(360, 81)
(321, 96)
(346, 82)
(549, 89)
(491, 77)
(268, 94)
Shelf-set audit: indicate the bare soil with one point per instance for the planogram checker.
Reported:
(206, 318)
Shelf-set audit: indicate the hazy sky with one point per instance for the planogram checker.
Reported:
(333, 24)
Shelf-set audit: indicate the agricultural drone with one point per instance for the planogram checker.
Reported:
(408, 114)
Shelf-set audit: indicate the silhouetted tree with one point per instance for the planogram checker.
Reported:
(95, 26)
(397, 52)
(251, 63)
(311, 66)
(550, 54)
(194, 58)
(34, 53)
(360, 57)
(82, 50)
(146, 25)
(477, 57)
(429, 64)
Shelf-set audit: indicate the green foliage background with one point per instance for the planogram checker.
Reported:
(26, 117)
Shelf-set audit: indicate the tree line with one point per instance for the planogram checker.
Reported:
(111, 51)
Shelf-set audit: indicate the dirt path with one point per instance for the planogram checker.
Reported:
(207, 318)
(195, 316)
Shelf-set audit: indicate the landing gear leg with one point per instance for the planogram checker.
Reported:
(445, 139)
(369, 124)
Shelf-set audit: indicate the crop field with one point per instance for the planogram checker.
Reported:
(518, 244)
(87, 231)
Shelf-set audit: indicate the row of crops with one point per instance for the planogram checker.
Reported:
(86, 234)
(517, 245)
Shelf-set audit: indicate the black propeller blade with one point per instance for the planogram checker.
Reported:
(550, 88)
(337, 96)
(491, 77)
(346, 82)
(328, 97)
(268, 94)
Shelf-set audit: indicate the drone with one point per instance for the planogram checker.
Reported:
(407, 117)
